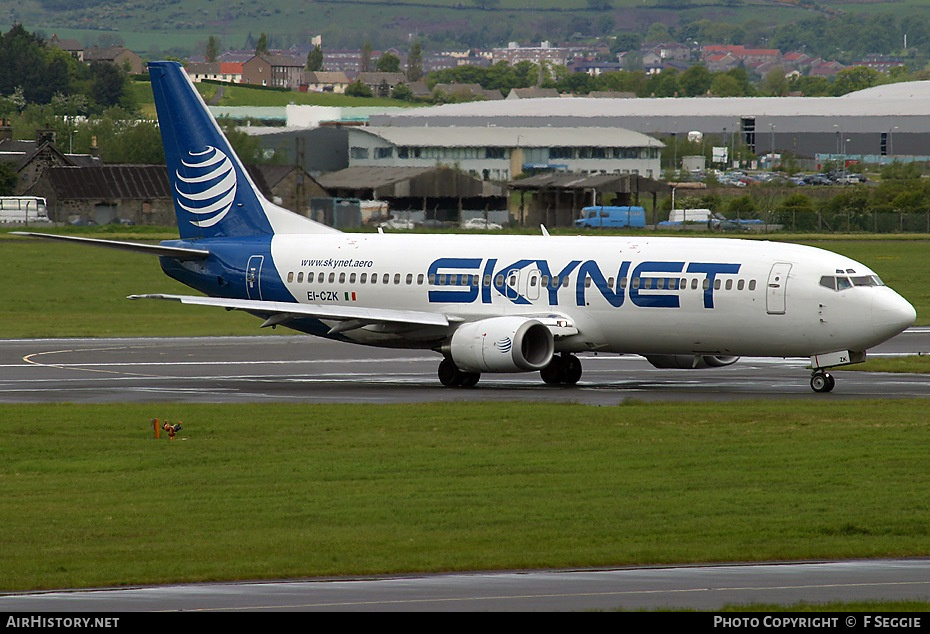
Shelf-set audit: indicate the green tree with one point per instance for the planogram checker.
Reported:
(8, 179)
(70, 105)
(27, 64)
(622, 81)
(742, 207)
(796, 212)
(724, 85)
(775, 83)
(664, 84)
(364, 64)
(212, 49)
(577, 84)
(108, 84)
(13, 103)
(388, 63)
(315, 59)
(261, 47)
(358, 89)
(402, 91)
(657, 32)
(741, 75)
(415, 63)
(856, 78)
(627, 41)
(900, 171)
(810, 86)
(695, 81)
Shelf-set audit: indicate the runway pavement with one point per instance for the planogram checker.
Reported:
(692, 587)
(307, 369)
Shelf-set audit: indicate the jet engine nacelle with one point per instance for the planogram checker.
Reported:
(689, 361)
(502, 344)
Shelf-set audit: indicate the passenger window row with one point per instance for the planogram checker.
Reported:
(544, 281)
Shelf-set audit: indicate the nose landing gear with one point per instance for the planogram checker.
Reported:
(821, 381)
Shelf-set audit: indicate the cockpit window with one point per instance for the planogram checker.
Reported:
(867, 280)
(842, 282)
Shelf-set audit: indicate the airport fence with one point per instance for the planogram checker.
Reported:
(851, 221)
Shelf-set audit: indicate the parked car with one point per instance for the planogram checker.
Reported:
(397, 223)
(817, 179)
(850, 179)
(480, 223)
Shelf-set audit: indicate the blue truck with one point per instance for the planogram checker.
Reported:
(606, 216)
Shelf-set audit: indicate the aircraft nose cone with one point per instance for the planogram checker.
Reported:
(891, 314)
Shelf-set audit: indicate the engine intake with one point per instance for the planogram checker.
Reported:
(502, 344)
(689, 361)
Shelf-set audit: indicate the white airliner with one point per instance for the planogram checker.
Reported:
(502, 303)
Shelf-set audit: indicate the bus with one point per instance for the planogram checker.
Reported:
(23, 210)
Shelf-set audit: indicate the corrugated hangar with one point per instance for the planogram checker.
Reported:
(885, 122)
(557, 196)
(436, 193)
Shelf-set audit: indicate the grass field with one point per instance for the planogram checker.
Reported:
(90, 498)
(61, 290)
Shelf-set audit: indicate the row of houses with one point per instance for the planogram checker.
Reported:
(279, 71)
(282, 71)
(285, 69)
(720, 58)
(118, 55)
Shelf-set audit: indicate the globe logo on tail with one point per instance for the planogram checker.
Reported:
(211, 179)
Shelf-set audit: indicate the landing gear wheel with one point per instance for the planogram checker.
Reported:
(470, 379)
(551, 374)
(562, 370)
(571, 370)
(451, 376)
(822, 382)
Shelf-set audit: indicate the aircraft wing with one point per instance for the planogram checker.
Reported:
(178, 253)
(350, 317)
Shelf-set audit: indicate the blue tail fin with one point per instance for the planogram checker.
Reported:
(213, 194)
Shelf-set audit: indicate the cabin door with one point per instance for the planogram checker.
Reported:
(777, 288)
(253, 277)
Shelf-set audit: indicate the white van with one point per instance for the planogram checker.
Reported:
(690, 215)
(23, 210)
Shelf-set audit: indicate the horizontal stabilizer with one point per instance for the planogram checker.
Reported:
(337, 313)
(178, 253)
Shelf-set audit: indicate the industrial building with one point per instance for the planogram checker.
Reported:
(875, 125)
(500, 153)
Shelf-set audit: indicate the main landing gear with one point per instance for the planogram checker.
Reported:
(451, 376)
(564, 369)
(821, 381)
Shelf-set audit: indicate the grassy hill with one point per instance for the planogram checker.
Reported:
(157, 27)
